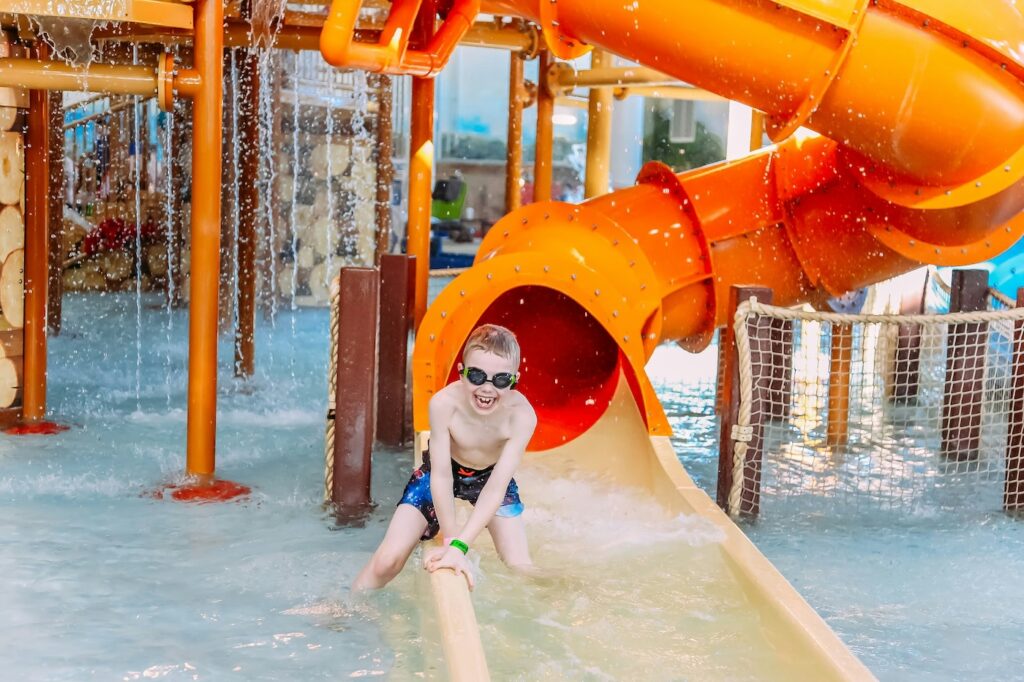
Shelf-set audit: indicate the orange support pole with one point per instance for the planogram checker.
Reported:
(421, 164)
(205, 237)
(514, 155)
(37, 251)
(542, 161)
(599, 134)
(757, 122)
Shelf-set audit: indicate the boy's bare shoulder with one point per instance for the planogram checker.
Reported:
(443, 400)
(520, 408)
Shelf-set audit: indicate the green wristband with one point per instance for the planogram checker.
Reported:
(459, 545)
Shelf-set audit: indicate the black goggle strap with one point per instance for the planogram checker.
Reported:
(466, 370)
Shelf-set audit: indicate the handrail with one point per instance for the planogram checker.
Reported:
(391, 53)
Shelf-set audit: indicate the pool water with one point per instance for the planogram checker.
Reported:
(102, 581)
(929, 590)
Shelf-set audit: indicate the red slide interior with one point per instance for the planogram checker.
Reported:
(569, 363)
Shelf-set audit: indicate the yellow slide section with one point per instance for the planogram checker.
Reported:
(921, 159)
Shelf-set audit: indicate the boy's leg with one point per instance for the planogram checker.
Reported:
(403, 534)
(509, 536)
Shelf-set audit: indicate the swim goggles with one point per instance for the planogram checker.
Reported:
(478, 377)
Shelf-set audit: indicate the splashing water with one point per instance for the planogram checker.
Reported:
(267, 67)
(169, 155)
(70, 39)
(138, 163)
(330, 182)
(236, 216)
(293, 217)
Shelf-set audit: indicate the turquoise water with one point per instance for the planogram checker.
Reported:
(929, 590)
(101, 581)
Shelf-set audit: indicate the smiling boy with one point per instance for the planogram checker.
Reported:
(479, 428)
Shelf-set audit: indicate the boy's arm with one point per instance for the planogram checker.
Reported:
(441, 484)
(524, 421)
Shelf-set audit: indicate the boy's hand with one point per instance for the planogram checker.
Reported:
(449, 557)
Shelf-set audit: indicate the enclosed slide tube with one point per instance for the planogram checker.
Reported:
(920, 108)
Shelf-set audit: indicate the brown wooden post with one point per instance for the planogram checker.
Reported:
(760, 345)
(353, 421)
(56, 212)
(907, 366)
(248, 100)
(838, 430)
(396, 276)
(228, 178)
(1013, 489)
(180, 168)
(385, 166)
(965, 368)
(780, 391)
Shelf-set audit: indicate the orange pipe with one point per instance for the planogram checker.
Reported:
(936, 93)
(37, 172)
(391, 53)
(205, 239)
(514, 155)
(421, 161)
(53, 75)
(542, 163)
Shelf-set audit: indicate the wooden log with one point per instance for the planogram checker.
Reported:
(156, 260)
(11, 380)
(9, 118)
(12, 231)
(318, 286)
(88, 277)
(116, 265)
(12, 168)
(12, 343)
(12, 289)
(71, 236)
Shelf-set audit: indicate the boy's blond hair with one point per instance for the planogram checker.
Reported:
(492, 338)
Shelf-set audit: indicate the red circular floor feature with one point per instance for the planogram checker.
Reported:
(200, 492)
(36, 429)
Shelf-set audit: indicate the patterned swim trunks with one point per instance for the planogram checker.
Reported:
(467, 485)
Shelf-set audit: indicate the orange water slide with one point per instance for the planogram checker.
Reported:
(921, 160)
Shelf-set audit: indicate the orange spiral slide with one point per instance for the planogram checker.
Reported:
(920, 160)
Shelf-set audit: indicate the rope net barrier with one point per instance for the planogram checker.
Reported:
(878, 411)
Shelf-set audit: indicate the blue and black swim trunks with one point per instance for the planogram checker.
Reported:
(467, 485)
